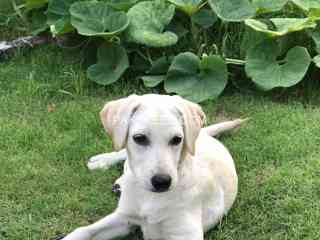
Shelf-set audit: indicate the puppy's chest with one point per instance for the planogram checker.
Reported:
(152, 214)
(154, 209)
(150, 209)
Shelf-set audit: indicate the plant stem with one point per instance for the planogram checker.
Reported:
(235, 61)
(202, 5)
(194, 32)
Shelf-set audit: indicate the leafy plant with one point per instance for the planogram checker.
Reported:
(59, 17)
(197, 79)
(31, 4)
(185, 46)
(97, 19)
(112, 63)
(307, 4)
(188, 6)
(265, 6)
(268, 72)
(317, 60)
(204, 18)
(281, 26)
(232, 10)
(147, 22)
(123, 5)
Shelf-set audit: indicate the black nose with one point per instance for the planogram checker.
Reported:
(161, 182)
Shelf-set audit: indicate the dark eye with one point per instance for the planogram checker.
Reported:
(176, 140)
(141, 139)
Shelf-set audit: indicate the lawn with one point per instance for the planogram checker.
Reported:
(49, 127)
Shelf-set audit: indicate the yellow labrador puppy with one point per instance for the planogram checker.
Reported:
(178, 181)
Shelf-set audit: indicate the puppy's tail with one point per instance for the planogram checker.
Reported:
(217, 129)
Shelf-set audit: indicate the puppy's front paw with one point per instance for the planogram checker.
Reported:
(79, 234)
(116, 188)
(59, 237)
(98, 162)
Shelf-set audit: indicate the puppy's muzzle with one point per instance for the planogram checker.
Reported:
(161, 182)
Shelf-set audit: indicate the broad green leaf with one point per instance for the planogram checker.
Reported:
(153, 81)
(97, 19)
(147, 22)
(233, 10)
(307, 4)
(160, 66)
(316, 60)
(31, 4)
(112, 63)
(196, 79)
(190, 7)
(157, 72)
(266, 6)
(38, 22)
(121, 4)
(4, 20)
(249, 40)
(204, 18)
(314, 14)
(316, 38)
(59, 17)
(282, 26)
(267, 72)
(183, 73)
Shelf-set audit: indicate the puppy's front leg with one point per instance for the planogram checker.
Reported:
(199, 237)
(113, 225)
(192, 233)
(185, 225)
(106, 160)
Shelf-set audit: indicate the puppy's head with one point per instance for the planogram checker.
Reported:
(158, 131)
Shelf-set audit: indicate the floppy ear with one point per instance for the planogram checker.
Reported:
(115, 117)
(194, 119)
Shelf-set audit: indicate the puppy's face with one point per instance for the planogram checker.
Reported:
(154, 145)
(157, 131)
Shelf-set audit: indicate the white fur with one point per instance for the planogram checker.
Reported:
(204, 179)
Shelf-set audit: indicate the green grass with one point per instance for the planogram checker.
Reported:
(49, 127)
(12, 25)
